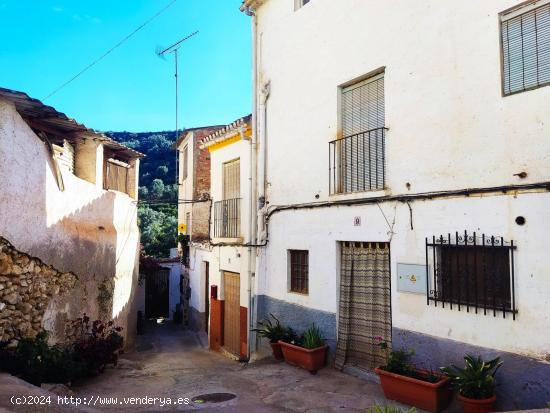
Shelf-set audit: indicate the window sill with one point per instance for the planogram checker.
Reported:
(238, 240)
(376, 193)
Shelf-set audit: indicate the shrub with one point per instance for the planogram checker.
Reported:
(312, 338)
(477, 379)
(377, 408)
(35, 361)
(274, 330)
(97, 343)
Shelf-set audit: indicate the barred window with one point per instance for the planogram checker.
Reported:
(299, 271)
(525, 35)
(471, 273)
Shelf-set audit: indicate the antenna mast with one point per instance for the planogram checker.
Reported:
(174, 49)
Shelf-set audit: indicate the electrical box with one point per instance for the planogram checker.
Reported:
(411, 278)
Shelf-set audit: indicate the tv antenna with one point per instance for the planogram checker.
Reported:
(162, 53)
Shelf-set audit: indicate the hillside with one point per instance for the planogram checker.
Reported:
(157, 182)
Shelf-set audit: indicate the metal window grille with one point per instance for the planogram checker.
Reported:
(227, 218)
(299, 271)
(357, 161)
(526, 49)
(471, 272)
(116, 175)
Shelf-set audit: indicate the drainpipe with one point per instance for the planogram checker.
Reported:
(253, 189)
(262, 163)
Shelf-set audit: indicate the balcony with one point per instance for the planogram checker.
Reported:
(227, 218)
(357, 162)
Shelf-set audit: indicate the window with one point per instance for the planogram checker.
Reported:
(184, 164)
(227, 213)
(357, 160)
(525, 39)
(300, 3)
(64, 155)
(471, 273)
(116, 175)
(299, 269)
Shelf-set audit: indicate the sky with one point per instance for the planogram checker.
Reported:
(46, 42)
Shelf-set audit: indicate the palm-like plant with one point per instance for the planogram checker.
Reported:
(477, 379)
(273, 330)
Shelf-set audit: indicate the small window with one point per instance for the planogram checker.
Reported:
(525, 39)
(299, 271)
(184, 164)
(116, 175)
(471, 273)
(300, 3)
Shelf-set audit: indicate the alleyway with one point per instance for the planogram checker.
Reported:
(173, 363)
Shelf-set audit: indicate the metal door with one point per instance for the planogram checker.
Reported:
(365, 304)
(156, 293)
(231, 313)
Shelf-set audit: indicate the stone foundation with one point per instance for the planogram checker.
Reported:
(27, 286)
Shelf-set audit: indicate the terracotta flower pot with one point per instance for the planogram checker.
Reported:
(309, 359)
(432, 397)
(277, 352)
(477, 406)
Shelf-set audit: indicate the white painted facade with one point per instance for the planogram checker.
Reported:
(449, 129)
(75, 226)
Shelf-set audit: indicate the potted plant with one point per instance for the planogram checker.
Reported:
(475, 383)
(308, 352)
(274, 331)
(405, 383)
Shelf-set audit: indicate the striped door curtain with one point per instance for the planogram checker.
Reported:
(365, 306)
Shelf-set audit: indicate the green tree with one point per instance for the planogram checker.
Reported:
(157, 188)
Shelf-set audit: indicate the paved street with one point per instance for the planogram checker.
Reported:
(172, 363)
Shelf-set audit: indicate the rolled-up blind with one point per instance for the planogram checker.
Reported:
(526, 48)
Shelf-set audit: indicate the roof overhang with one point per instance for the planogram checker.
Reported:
(252, 4)
(235, 131)
(46, 118)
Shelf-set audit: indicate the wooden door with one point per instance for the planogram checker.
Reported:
(206, 295)
(156, 293)
(231, 313)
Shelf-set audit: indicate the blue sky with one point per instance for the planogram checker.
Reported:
(46, 42)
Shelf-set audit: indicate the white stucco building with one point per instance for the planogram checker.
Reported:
(69, 197)
(381, 126)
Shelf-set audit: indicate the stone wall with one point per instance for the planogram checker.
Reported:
(27, 286)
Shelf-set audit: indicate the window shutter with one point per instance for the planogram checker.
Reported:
(363, 106)
(231, 179)
(526, 49)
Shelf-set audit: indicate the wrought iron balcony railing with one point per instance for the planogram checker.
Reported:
(227, 218)
(357, 162)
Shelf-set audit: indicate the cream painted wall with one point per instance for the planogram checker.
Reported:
(449, 128)
(83, 229)
(231, 258)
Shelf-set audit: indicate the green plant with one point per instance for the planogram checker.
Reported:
(274, 331)
(35, 361)
(377, 408)
(312, 338)
(398, 361)
(477, 379)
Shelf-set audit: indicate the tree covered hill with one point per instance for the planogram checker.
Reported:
(157, 182)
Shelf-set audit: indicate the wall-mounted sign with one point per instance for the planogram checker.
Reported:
(411, 278)
(356, 221)
(182, 228)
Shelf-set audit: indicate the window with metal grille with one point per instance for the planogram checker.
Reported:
(357, 161)
(525, 38)
(299, 271)
(184, 163)
(471, 273)
(227, 213)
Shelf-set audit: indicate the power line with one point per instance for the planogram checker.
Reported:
(112, 49)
